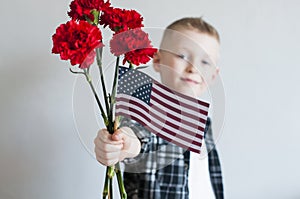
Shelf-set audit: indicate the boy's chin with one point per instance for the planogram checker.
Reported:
(192, 92)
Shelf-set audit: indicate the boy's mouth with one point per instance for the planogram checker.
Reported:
(188, 80)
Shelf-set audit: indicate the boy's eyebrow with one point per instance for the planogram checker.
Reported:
(175, 50)
(169, 51)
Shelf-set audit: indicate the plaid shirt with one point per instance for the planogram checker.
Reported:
(161, 170)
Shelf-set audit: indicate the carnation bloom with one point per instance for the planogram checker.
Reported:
(118, 19)
(134, 44)
(80, 9)
(76, 41)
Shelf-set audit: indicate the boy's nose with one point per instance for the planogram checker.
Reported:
(191, 68)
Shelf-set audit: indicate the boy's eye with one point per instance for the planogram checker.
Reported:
(204, 62)
(182, 56)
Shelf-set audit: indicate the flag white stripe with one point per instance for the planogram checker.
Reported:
(177, 106)
(160, 114)
(181, 99)
(150, 126)
(164, 109)
(160, 123)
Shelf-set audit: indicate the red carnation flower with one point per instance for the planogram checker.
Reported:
(134, 44)
(139, 56)
(118, 19)
(80, 9)
(77, 41)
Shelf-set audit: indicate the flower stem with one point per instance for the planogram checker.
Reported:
(109, 125)
(89, 79)
(122, 190)
(114, 88)
(107, 190)
(106, 183)
(111, 195)
(130, 65)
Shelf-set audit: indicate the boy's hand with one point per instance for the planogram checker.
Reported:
(111, 149)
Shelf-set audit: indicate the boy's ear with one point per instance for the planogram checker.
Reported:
(156, 61)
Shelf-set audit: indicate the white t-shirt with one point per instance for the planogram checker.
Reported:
(199, 179)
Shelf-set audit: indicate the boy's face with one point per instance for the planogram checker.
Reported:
(187, 61)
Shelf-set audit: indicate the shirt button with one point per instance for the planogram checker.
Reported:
(186, 166)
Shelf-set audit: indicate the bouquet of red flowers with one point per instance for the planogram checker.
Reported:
(80, 41)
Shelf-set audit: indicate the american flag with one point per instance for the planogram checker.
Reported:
(175, 117)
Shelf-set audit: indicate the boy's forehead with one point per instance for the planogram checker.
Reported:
(173, 37)
(193, 40)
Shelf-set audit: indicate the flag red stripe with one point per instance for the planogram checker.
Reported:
(133, 118)
(145, 107)
(168, 123)
(148, 117)
(180, 136)
(132, 110)
(190, 148)
(182, 95)
(172, 108)
(179, 143)
(182, 120)
(131, 101)
(165, 96)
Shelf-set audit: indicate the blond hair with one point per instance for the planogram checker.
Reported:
(194, 23)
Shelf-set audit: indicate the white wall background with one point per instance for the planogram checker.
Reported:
(41, 155)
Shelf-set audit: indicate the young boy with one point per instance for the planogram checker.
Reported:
(155, 168)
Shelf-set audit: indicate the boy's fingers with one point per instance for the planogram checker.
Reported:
(118, 135)
(104, 137)
(107, 148)
(123, 134)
